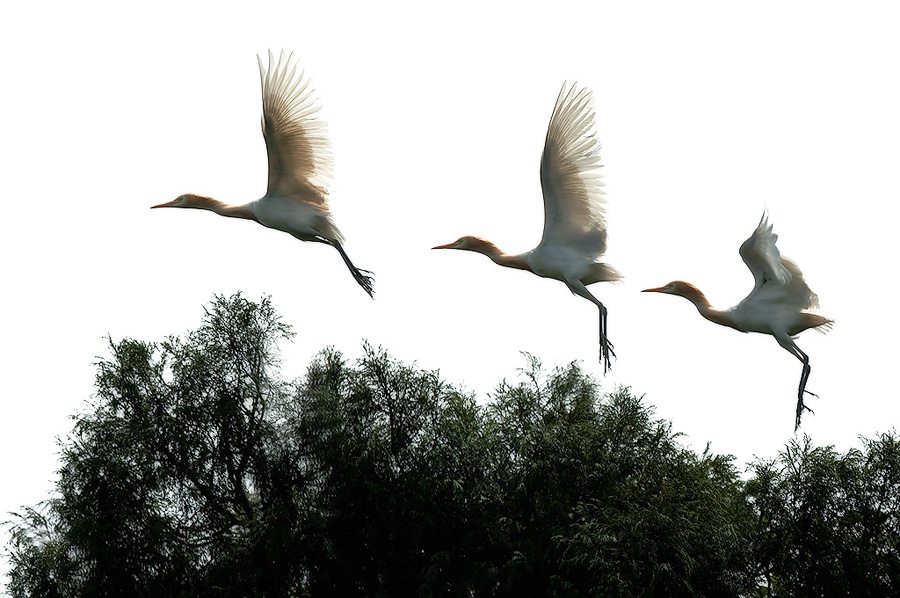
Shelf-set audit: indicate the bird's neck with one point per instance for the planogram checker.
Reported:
(723, 318)
(221, 208)
(237, 212)
(501, 258)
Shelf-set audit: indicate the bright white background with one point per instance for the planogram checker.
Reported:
(708, 112)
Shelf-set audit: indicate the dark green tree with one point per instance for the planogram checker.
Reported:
(829, 523)
(174, 480)
(600, 500)
(397, 462)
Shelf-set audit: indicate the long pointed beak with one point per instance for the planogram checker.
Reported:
(656, 290)
(447, 246)
(168, 204)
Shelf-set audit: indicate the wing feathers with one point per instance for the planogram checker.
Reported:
(299, 151)
(573, 198)
(775, 276)
(762, 257)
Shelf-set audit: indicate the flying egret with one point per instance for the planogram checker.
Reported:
(574, 224)
(777, 304)
(299, 152)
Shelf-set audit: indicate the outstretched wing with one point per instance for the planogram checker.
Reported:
(298, 147)
(573, 199)
(775, 277)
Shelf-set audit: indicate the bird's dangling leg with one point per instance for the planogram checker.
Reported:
(789, 345)
(361, 276)
(606, 347)
(804, 376)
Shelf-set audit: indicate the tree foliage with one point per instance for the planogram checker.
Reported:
(199, 471)
(829, 523)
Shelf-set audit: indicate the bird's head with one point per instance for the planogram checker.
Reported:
(469, 244)
(677, 287)
(188, 200)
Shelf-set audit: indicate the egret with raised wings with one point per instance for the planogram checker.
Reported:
(574, 222)
(299, 152)
(777, 305)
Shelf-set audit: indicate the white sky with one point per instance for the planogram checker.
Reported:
(708, 112)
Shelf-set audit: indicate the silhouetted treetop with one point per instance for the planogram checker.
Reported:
(198, 470)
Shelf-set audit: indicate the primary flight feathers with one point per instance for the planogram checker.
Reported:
(573, 198)
(297, 144)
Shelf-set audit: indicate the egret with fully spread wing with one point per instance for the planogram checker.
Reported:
(777, 305)
(299, 152)
(574, 222)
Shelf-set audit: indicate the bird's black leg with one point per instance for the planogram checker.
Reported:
(360, 275)
(801, 407)
(606, 347)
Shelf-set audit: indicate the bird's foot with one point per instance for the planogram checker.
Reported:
(606, 350)
(366, 282)
(801, 407)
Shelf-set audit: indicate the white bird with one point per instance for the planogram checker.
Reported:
(574, 223)
(299, 152)
(777, 305)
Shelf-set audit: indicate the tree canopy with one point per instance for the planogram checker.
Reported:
(197, 470)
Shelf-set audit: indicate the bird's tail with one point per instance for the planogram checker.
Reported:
(601, 272)
(361, 276)
(817, 322)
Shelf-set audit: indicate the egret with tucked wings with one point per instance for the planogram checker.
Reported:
(574, 221)
(299, 151)
(777, 305)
